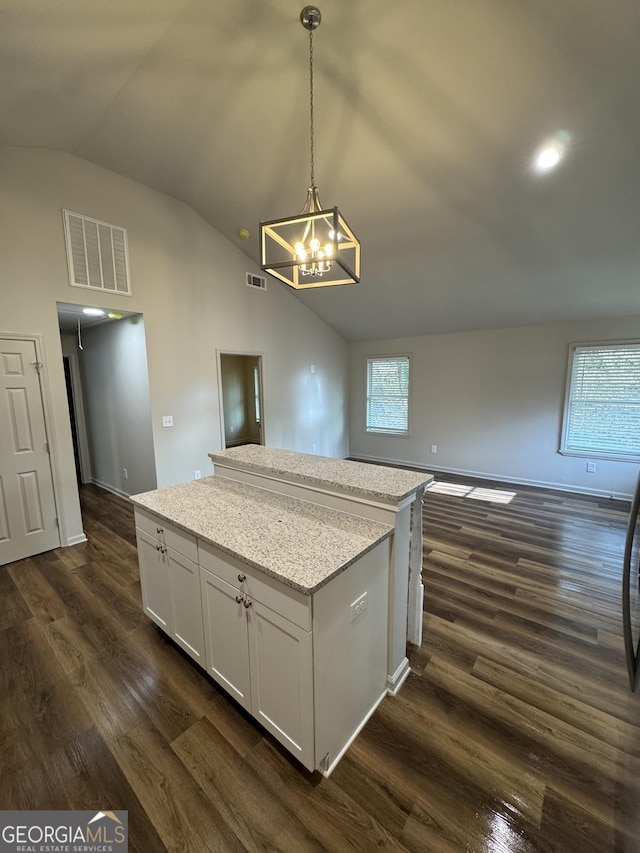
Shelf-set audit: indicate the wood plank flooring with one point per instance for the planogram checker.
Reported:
(515, 731)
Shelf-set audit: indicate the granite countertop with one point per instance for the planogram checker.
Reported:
(299, 543)
(378, 482)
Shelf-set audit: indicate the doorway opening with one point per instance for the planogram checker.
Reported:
(242, 399)
(105, 361)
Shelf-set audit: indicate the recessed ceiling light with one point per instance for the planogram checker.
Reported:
(550, 153)
(93, 312)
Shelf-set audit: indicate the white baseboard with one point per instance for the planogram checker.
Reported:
(76, 540)
(327, 771)
(500, 478)
(395, 681)
(109, 488)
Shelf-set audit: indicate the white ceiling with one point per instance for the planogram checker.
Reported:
(427, 115)
(70, 314)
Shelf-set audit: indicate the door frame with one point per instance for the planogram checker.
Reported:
(47, 411)
(260, 357)
(77, 405)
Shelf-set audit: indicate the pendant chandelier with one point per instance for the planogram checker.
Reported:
(316, 247)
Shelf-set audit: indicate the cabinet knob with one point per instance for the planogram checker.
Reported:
(163, 549)
(240, 599)
(159, 529)
(242, 577)
(248, 603)
(157, 547)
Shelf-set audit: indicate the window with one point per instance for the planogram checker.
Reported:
(388, 395)
(602, 408)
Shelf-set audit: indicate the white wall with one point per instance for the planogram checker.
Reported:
(492, 402)
(189, 282)
(115, 385)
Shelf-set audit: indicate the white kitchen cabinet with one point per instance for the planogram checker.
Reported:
(155, 581)
(226, 637)
(170, 580)
(262, 658)
(188, 630)
(309, 663)
(389, 495)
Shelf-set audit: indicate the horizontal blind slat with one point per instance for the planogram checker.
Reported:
(604, 400)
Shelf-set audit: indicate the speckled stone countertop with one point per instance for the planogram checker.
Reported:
(299, 543)
(378, 482)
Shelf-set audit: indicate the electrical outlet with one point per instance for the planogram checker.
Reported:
(434, 448)
(167, 420)
(198, 474)
(358, 607)
(591, 467)
(314, 447)
(125, 473)
(313, 368)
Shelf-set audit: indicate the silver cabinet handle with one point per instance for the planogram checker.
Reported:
(240, 599)
(163, 549)
(248, 603)
(242, 578)
(159, 529)
(157, 547)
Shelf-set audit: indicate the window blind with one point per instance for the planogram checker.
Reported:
(602, 414)
(388, 395)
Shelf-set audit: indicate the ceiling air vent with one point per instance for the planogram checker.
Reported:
(97, 254)
(259, 282)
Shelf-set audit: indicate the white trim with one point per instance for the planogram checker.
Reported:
(76, 540)
(501, 478)
(261, 422)
(395, 681)
(401, 433)
(326, 772)
(47, 409)
(589, 453)
(109, 488)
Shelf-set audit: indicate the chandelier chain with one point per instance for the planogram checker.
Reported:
(313, 177)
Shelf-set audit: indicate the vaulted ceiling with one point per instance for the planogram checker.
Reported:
(427, 116)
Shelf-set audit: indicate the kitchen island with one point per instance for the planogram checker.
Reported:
(283, 602)
(377, 492)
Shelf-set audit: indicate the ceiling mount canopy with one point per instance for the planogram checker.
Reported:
(316, 247)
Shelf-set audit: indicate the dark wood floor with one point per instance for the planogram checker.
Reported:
(515, 731)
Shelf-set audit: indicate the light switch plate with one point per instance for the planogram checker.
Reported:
(167, 420)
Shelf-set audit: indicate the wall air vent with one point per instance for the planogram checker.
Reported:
(259, 282)
(97, 254)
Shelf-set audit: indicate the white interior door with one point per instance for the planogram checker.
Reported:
(28, 523)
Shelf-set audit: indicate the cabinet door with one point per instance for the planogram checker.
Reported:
(155, 581)
(226, 637)
(187, 607)
(281, 658)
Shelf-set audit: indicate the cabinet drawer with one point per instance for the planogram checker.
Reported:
(283, 599)
(167, 534)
